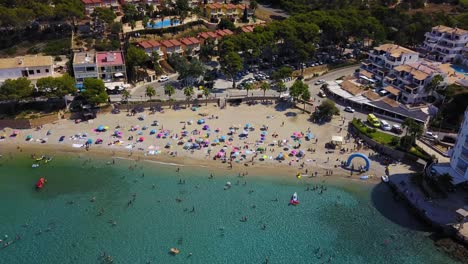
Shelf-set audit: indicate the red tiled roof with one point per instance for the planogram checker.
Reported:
(175, 42)
(194, 40)
(154, 43)
(230, 6)
(214, 6)
(203, 35)
(88, 2)
(220, 33)
(144, 44)
(228, 32)
(212, 34)
(186, 41)
(247, 29)
(167, 43)
(108, 58)
(241, 6)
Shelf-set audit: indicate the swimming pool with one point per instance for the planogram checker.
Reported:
(163, 24)
(460, 69)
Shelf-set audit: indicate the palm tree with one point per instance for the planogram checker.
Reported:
(125, 95)
(150, 91)
(188, 92)
(145, 21)
(169, 90)
(152, 23)
(132, 24)
(264, 87)
(248, 87)
(206, 93)
(305, 96)
(434, 84)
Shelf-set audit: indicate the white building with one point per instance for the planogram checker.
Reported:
(84, 66)
(412, 79)
(31, 67)
(446, 44)
(384, 58)
(459, 157)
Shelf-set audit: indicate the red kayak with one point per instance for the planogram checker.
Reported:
(40, 183)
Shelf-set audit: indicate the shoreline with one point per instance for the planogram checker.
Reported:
(279, 171)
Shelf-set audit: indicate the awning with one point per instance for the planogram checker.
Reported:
(119, 74)
(392, 90)
(337, 139)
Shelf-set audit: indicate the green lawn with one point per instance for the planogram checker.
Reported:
(381, 137)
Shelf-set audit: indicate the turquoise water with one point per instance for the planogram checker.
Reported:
(163, 24)
(460, 69)
(345, 224)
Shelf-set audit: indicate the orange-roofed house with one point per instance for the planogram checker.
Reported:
(151, 46)
(214, 11)
(230, 11)
(190, 45)
(171, 46)
(90, 5)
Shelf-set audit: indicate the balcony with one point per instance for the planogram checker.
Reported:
(464, 156)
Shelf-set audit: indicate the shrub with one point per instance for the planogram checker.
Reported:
(395, 141)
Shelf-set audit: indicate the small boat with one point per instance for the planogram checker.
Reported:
(35, 165)
(174, 251)
(364, 177)
(40, 183)
(49, 159)
(385, 178)
(41, 158)
(294, 200)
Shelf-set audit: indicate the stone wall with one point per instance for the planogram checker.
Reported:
(31, 123)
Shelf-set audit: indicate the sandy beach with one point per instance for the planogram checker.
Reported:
(239, 138)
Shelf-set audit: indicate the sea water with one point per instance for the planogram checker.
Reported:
(92, 208)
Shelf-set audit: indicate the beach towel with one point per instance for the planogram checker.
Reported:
(77, 145)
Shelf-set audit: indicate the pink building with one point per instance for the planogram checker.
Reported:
(111, 66)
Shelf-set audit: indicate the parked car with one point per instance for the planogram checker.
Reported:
(349, 109)
(385, 125)
(431, 135)
(322, 94)
(319, 82)
(397, 129)
(163, 78)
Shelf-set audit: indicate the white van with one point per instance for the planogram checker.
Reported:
(385, 125)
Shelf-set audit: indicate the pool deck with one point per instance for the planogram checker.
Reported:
(139, 24)
(452, 75)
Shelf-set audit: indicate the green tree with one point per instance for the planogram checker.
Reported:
(105, 14)
(225, 23)
(132, 24)
(282, 73)
(16, 89)
(434, 84)
(182, 5)
(115, 27)
(326, 110)
(188, 92)
(150, 91)
(231, 64)
(135, 57)
(281, 87)
(94, 91)
(264, 86)
(206, 93)
(126, 95)
(248, 87)
(253, 5)
(297, 89)
(145, 21)
(169, 90)
(56, 87)
(305, 96)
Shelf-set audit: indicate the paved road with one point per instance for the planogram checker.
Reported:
(222, 88)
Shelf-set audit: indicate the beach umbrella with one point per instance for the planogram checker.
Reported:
(280, 156)
(301, 153)
(309, 136)
(195, 145)
(141, 139)
(218, 130)
(260, 149)
(106, 127)
(201, 121)
(248, 125)
(199, 140)
(28, 137)
(293, 152)
(264, 157)
(187, 145)
(89, 141)
(206, 127)
(222, 138)
(159, 135)
(100, 128)
(264, 133)
(152, 132)
(168, 144)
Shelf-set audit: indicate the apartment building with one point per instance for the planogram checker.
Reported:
(107, 66)
(84, 66)
(190, 45)
(446, 44)
(384, 58)
(412, 79)
(230, 11)
(31, 67)
(111, 66)
(459, 157)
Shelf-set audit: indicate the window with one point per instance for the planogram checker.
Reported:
(47, 70)
(90, 69)
(38, 71)
(31, 71)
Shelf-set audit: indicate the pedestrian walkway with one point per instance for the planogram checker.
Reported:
(432, 152)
